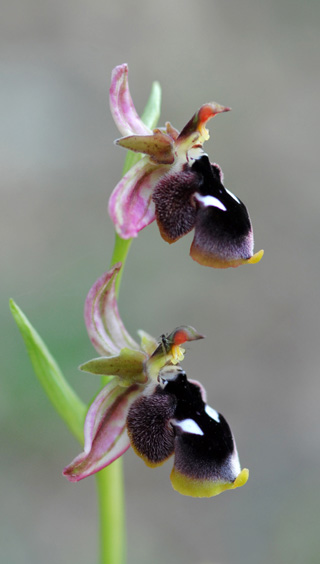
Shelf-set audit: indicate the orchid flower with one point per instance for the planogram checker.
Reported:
(152, 405)
(176, 184)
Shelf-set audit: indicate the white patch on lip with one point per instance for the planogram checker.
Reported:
(212, 413)
(235, 464)
(210, 201)
(188, 426)
(233, 196)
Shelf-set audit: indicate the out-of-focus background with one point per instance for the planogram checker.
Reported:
(260, 360)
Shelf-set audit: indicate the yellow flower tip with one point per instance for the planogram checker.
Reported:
(205, 488)
(256, 257)
(241, 479)
(204, 133)
(177, 354)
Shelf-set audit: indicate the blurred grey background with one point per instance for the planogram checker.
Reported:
(260, 360)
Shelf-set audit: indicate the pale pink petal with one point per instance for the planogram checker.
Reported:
(122, 109)
(104, 325)
(130, 205)
(105, 431)
(97, 410)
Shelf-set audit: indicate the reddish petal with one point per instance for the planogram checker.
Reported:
(104, 325)
(130, 205)
(123, 111)
(199, 119)
(183, 334)
(194, 134)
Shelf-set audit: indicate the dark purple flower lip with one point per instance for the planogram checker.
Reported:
(195, 198)
(174, 419)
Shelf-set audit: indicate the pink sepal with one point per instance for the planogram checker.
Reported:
(105, 435)
(130, 205)
(104, 325)
(121, 105)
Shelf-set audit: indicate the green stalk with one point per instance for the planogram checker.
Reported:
(110, 483)
(110, 490)
(120, 252)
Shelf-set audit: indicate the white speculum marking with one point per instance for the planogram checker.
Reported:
(188, 426)
(212, 413)
(233, 196)
(210, 201)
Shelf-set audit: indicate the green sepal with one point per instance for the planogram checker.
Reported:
(158, 146)
(150, 117)
(147, 342)
(151, 112)
(127, 366)
(63, 398)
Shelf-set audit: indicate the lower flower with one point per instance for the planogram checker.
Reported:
(176, 420)
(151, 405)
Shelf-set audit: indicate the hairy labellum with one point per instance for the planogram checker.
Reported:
(175, 210)
(149, 430)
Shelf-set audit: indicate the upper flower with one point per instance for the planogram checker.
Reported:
(176, 184)
(150, 404)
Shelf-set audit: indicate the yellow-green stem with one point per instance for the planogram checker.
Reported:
(120, 251)
(110, 482)
(111, 513)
